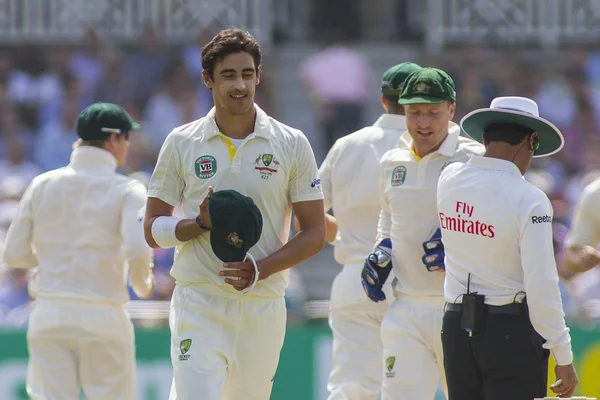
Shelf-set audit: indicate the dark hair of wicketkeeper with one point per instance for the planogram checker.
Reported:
(506, 132)
(230, 41)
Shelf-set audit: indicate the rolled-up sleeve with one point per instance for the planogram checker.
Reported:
(541, 279)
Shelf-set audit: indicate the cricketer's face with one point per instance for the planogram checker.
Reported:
(234, 83)
(428, 125)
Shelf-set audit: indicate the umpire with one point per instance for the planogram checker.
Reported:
(504, 311)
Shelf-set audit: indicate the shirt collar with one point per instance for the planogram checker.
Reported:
(448, 146)
(262, 125)
(494, 164)
(391, 121)
(89, 156)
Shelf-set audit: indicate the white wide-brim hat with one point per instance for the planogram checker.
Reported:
(514, 110)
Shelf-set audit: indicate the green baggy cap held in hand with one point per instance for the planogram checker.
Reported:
(236, 224)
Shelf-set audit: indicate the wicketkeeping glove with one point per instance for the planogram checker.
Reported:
(377, 268)
(434, 252)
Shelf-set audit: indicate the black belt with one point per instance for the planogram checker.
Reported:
(507, 309)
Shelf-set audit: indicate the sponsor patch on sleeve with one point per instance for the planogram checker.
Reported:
(541, 219)
(316, 184)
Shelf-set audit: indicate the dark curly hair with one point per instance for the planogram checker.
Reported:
(230, 41)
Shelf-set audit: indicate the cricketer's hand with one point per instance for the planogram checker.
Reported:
(376, 270)
(434, 252)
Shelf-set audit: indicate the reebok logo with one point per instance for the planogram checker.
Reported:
(540, 219)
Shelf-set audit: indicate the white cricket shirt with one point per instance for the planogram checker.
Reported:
(408, 207)
(347, 177)
(274, 165)
(81, 225)
(585, 231)
(498, 227)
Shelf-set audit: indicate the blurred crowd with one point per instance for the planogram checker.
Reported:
(43, 89)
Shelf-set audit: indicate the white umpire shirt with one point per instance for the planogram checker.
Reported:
(350, 190)
(408, 216)
(497, 227)
(82, 226)
(274, 165)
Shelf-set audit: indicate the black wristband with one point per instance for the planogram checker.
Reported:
(201, 225)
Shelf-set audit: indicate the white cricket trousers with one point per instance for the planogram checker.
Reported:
(223, 346)
(412, 348)
(355, 321)
(75, 345)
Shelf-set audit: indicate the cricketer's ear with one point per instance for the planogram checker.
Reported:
(207, 79)
(452, 108)
(384, 103)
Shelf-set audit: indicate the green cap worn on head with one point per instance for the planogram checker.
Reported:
(427, 86)
(393, 79)
(101, 119)
(236, 224)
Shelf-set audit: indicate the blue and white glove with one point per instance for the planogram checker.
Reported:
(434, 252)
(376, 270)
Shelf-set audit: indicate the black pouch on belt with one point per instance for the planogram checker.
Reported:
(472, 317)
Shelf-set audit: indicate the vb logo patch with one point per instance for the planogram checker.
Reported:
(205, 166)
(389, 364)
(398, 175)
(184, 347)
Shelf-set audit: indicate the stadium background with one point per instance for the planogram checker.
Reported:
(57, 56)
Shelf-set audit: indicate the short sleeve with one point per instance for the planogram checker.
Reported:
(305, 184)
(585, 230)
(325, 174)
(166, 183)
(384, 224)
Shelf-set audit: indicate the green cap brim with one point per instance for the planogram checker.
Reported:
(475, 123)
(421, 100)
(135, 126)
